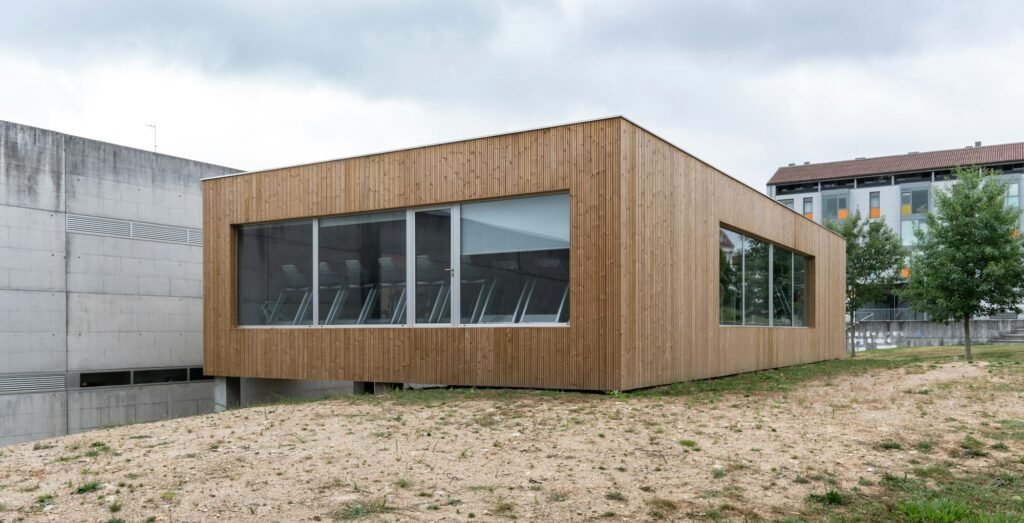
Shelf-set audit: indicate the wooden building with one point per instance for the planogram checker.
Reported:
(591, 256)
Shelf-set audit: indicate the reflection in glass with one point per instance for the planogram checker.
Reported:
(274, 274)
(515, 260)
(799, 290)
(730, 277)
(782, 287)
(755, 282)
(751, 295)
(433, 266)
(362, 269)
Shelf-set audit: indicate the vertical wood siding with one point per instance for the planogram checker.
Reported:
(582, 159)
(644, 220)
(672, 207)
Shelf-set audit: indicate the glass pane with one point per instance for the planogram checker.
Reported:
(920, 201)
(160, 376)
(274, 274)
(808, 206)
(830, 207)
(104, 379)
(799, 290)
(362, 269)
(874, 200)
(515, 260)
(907, 231)
(433, 266)
(196, 374)
(782, 285)
(755, 282)
(1013, 189)
(730, 277)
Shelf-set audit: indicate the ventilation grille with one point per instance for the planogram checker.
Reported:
(94, 225)
(22, 384)
(135, 230)
(160, 233)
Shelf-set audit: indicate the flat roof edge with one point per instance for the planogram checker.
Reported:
(424, 146)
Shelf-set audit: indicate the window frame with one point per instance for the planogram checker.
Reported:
(410, 245)
(808, 261)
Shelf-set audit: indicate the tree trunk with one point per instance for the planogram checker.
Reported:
(967, 341)
(851, 332)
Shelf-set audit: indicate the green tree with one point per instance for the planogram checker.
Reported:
(874, 256)
(969, 259)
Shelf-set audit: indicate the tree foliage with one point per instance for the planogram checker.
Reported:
(874, 256)
(969, 258)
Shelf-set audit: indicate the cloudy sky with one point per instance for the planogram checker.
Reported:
(747, 86)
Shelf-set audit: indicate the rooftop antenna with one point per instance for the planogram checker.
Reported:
(153, 125)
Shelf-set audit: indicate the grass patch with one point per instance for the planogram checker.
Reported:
(690, 444)
(557, 496)
(830, 497)
(615, 496)
(972, 447)
(789, 378)
(661, 508)
(888, 444)
(361, 509)
(88, 487)
(936, 510)
(936, 495)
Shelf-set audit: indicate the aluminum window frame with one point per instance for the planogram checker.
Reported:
(808, 259)
(410, 270)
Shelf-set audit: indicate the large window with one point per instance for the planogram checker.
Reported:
(515, 260)
(809, 208)
(834, 207)
(1013, 194)
(913, 208)
(756, 260)
(509, 257)
(913, 202)
(782, 287)
(275, 275)
(362, 269)
(759, 283)
(730, 277)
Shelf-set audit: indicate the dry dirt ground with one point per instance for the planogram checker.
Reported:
(522, 455)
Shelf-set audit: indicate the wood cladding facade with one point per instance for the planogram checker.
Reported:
(643, 293)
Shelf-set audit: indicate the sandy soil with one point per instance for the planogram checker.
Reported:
(529, 457)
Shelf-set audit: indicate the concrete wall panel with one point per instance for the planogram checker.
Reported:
(99, 264)
(32, 331)
(118, 182)
(31, 167)
(103, 407)
(31, 249)
(111, 331)
(261, 390)
(25, 417)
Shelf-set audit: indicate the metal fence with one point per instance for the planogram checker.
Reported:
(889, 315)
(911, 314)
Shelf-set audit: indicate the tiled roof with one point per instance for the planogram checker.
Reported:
(926, 161)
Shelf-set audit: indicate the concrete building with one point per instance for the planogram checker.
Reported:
(100, 284)
(898, 189)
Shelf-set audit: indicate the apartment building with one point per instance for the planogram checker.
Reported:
(898, 189)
